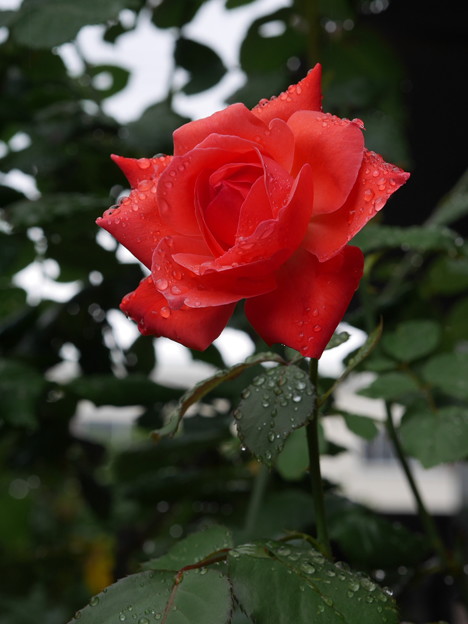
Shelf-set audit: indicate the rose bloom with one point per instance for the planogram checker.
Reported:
(257, 205)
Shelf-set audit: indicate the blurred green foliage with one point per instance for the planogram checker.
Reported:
(79, 511)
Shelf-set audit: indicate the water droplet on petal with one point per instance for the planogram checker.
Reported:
(368, 195)
(161, 284)
(317, 328)
(165, 312)
(143, 163)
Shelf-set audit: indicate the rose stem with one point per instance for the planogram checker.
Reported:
(256, 498)
(426, 519)
(314, 467)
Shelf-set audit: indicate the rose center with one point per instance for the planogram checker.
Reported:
(228, 187)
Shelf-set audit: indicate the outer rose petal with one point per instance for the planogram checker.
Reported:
(310, 301)
(237, 120)
(181, 286)
(195, 329)
(138, 169)
(305, 95)
(376, 181)
(136, 222)
(334, 148)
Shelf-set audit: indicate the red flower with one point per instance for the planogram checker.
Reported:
(256, 205)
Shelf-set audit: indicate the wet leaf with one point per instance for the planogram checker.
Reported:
(297, 584)
(199, 596)
(436, 437)
(192, 549)
(276, 403)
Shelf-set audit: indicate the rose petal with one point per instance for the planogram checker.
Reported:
(138, 169)
(305, 95)
(280, 236)
(376, 181)
(184, 287)
(195, 329)
(274, 140)
(334, 149)
(310, 301)
(136, 222)
(182, 183)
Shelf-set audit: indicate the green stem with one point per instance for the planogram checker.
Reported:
(314, 469)
(256, 498)
(426, 519)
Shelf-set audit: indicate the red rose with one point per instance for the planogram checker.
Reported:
(256, 205)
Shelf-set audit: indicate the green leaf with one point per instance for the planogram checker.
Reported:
(51, 22)
(338, 339)
(132, 390)
(362, 426)
(233, 4)
(436, 437)
(454, 205)
(7, 17)
(20, 389)
(416, 238)
(355, 360)
(261, 52)
(367, 539)
(282, 583)
(412, 340)
(293, 461)
(49, 208)
(152, 131)
(455, 326)
(204, 387)
(390, 387)
(119, 78)
(198, 596)
(276, 403)
(447, 276)
(193, 549)
(203, 64)
(449, 373)
(175, 13)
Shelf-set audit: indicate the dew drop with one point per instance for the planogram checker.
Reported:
(297, 398)
(308, 568)
(317, 328)
(259, 381)
(94, 601)
(368, 195)
(245, 393)
(143, 163)
(354, 586)
(271, 436)
(122, 617)
(162, 284)
(165, 312)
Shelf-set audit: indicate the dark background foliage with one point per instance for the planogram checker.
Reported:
(79, 511)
